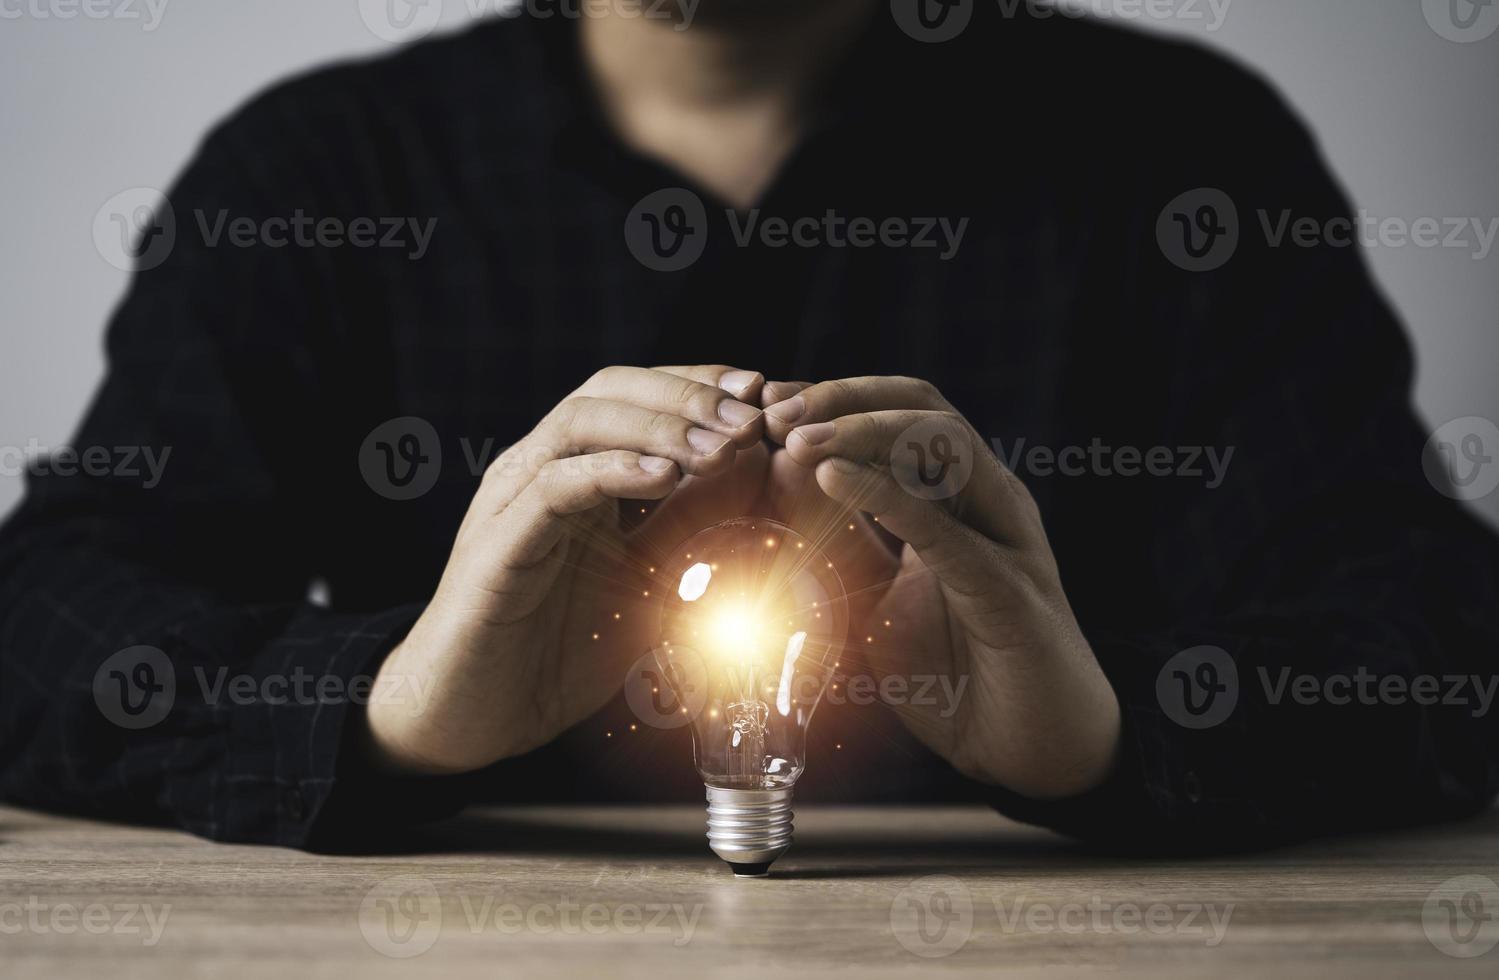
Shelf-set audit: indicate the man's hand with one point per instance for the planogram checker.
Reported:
(977, 594)
(541, 607)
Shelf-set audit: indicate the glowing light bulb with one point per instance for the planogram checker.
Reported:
(751, 627)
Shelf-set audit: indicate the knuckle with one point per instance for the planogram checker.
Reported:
(663, 426)
(617, 461)
(599, 378)
(704, 402)
(830, 393)
(683, 392)
(569, 412)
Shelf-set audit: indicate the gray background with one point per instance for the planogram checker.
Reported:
(92, 107)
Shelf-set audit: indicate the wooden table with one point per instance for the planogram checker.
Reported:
(554, 892)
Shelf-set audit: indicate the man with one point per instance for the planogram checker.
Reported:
(1192, 518)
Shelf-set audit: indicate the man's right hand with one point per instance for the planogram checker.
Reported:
(543, 602)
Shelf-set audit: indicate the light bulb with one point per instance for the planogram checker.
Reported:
(752, 623)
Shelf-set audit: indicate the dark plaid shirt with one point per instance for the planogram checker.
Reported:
(1067, 319)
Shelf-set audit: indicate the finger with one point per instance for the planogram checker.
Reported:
(958, 555)
(683, 391)
(778, 391)
(700, 502)
(829, 400)
(746, 386)
(868, 437)
(591, 425)
(564, 489)
(934, 456)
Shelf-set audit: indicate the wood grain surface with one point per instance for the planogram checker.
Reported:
(634, 892)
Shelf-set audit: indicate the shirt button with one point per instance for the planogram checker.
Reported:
(296, 807)
(1192, 787)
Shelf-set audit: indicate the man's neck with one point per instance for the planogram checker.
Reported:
(724, 95)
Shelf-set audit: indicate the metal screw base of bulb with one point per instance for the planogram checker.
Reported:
(749, 828)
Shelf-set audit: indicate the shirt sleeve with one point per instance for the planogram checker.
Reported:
(1326, 656)
(159, 658)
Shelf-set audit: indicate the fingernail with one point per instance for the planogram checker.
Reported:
(789, 410)
(737, 414)
(735, 382)
(816, 433)
(654, 464)
(706, 443)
